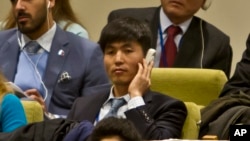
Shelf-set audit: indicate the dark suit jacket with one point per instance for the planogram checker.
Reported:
(161, 117)
(82, 59)
(240, 81)
(217, 49)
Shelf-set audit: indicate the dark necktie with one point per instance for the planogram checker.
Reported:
(170, 48)
(115, 105)
(32, 47)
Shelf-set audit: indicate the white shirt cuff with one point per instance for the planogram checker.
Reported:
(135, 102)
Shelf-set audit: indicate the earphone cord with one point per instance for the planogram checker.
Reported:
(38, 74)
(48, 15)
(203, 44)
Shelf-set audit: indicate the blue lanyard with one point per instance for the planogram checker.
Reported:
(163, 52)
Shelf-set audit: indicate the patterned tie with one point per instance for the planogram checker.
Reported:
(34, 57)
(32, 47)
(170, 47)
(115, 105)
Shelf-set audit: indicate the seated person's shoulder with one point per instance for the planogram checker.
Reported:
(80, 41)
(138, 13)
(164, 99)
(74, 28)
(6, 34)
(10, 101)
(95, 91)
(9, 31)
(212, 30)
(132, 10)
(11, 98)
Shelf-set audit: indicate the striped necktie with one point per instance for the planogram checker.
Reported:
(115, 105)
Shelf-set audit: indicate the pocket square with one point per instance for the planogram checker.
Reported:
(64, 77)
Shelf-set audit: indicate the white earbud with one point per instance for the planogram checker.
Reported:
(48, 5)
(206, 4)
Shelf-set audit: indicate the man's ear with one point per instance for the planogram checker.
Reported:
(206, 4)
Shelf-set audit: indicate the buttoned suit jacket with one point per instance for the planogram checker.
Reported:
(216, 53)
(161, 117)
(82, 60)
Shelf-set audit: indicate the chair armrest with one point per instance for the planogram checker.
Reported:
(191, 126)
(33, 111)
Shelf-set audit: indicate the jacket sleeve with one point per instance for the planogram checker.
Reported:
(166, 120)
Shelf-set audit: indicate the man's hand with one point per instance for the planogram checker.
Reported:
(141, 81)
(34, 94)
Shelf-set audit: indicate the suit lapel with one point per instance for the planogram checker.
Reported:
(97, 102)
(190, 44)
(9, 57)
(55, 61)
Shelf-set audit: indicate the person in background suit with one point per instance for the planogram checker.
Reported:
(107, 130)
(63, 15)
(11, 109)
(63, 67)
(199, 44)
(239, 82)
(234, 100)
(156, 116)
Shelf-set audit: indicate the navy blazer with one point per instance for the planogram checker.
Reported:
(217, 52)
(82, 59)
(161, 117)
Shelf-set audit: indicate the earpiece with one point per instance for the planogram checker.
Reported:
(48, 4)
(206, 4)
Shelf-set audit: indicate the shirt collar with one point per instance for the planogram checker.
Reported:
(111, 96)
(165, 22)
(44, 41)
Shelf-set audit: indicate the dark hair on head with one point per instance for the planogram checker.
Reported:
(112, 126)
(126, 29)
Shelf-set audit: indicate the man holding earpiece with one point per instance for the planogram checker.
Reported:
(52, 66)
(156, 116)
(197, 44)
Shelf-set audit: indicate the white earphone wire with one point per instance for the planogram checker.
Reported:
(48, 14)
(34, 66)
(38, 74)
(203, 44)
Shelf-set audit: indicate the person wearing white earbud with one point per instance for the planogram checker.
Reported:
(49, 64)
(199, 44)
(63, 15)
